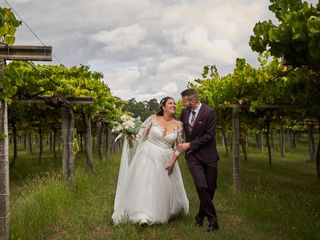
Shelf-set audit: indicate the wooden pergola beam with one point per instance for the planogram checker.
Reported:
(72, 100)
(26, 53)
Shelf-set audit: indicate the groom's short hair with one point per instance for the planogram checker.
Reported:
(191, 93)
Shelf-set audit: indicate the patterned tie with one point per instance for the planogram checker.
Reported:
(193, 118)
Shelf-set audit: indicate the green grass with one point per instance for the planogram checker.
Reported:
(282, 203)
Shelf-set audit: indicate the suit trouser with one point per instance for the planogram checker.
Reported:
(205, 180)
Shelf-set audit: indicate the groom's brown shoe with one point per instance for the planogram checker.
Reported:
(213, 227)
(198, 221)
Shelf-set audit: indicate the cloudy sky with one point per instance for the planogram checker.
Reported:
(145, 48)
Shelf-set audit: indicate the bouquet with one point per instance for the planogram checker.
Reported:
(128, 126)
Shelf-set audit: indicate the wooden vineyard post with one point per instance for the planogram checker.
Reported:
(108, 142)
(318, 160)
(235, 147)
(4, 165)
(67, 129)
(100, 139)
(88, 142)
(282, 145)
(312, 150)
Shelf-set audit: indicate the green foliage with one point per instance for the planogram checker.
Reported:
(141, 109)
(253, 88)
(179, 108)
(296, 37)
(8, 26)
(27, 82)
(246, 85)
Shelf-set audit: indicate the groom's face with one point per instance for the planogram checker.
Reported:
(187, 102)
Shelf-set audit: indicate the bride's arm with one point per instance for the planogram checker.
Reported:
(179, 140)
(171, 164)
(176, 153)
(144, 129)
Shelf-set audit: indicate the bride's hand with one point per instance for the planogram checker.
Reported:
(169, 167)
(132, 138)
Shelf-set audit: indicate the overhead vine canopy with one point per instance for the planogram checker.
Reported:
(8, 26)
(24, 80)
(297, 35)
(254, 87)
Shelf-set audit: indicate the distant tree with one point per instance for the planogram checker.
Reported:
(143, 109)
(153, 106)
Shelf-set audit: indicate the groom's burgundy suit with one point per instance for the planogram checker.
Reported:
(202, 157)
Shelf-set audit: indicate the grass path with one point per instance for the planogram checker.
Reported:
(283, 203)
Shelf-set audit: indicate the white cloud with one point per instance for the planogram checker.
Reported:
(122, 38)
(170, 88)
(172, 63)
(215, 49)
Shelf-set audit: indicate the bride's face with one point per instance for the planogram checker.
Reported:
(170, 106)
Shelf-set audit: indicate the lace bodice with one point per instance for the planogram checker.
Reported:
(152, 131)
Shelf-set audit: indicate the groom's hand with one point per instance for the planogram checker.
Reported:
(183, 147)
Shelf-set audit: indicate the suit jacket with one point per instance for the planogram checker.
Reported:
(202, 137)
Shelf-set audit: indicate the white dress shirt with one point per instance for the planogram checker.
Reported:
(196, 114)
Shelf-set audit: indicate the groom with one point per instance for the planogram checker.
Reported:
(199, 122)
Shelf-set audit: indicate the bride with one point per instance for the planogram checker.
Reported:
(150, 189)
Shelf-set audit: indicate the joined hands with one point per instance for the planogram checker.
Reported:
(182, 147)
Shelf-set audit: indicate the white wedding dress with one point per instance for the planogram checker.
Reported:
(145, 192)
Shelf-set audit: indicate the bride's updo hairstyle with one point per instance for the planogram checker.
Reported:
(163, 104)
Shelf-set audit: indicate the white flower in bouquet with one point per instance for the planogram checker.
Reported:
(118, 128)
(125, 118)
(128, 126)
